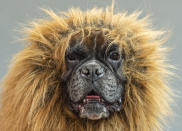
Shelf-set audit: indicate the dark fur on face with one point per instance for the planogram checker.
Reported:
(94, 85)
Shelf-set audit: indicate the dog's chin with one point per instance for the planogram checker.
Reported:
(94, 107)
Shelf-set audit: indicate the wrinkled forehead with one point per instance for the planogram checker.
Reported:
(91, 40)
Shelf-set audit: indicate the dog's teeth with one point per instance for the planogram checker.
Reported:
(102, 100)
(84, 100)
(104, 110)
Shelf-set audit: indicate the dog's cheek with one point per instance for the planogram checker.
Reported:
(77, 87)
(109, 87)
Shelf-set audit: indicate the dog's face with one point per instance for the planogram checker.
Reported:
(94, 77)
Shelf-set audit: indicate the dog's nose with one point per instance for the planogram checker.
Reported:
(92, 71)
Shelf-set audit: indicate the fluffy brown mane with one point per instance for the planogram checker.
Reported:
(33, 98)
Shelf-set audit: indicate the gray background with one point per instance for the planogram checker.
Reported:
(166, 14)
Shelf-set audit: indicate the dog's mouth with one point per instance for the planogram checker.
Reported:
(94, 107)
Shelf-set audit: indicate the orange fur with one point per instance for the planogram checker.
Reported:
(32, 99)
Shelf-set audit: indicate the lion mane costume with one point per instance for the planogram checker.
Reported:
(33, 96)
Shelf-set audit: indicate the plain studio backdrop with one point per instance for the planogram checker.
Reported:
(165, 14)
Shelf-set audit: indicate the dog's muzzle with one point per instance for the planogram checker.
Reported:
(94, 91)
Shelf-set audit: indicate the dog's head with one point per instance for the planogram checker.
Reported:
(94, 77)
(108, 69)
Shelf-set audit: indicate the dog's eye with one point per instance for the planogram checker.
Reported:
(114, 56)
(72, 57)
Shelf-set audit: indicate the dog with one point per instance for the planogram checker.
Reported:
(88, 70)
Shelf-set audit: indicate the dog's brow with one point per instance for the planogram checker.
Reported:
(95, 42)
(78, 47)
(112, 47)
